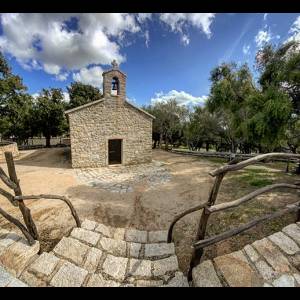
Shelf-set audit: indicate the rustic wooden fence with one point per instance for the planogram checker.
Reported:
(12, 182)
(211, 207)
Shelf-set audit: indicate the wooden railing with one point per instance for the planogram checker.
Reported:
(210, 207)
(12, 182)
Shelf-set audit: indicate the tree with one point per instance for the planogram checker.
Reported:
(82, 94)
(48, 114)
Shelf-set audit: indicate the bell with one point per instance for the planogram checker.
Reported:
(114, 86)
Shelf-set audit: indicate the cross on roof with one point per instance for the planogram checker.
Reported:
(114, 64)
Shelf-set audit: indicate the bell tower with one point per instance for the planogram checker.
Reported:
(114, 83)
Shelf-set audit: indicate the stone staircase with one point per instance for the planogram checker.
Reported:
(95, 255)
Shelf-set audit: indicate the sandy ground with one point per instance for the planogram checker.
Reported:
(48, 171)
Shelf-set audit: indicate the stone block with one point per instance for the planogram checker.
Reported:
(72, 250)
(272, 255)
(137, 236)
(92, 260)
(105, 230)
(69, 275)
(5, 277)
(285, 243)
(96, 280)
(140, 268)
(89, 225)
(284, 281)
(9, 239)
(251, 253)
(18, 255)
(86, 236)
(44, 265)
(149, 283)
(237, 271)
(179, 280)
(158, 250)
(265, 270)
(115, 266)
(134, 249)
(112, 246)
(293, 231)
(159, 236)
(17, 283)
(162, 266)
(119, 234)
(204, 275)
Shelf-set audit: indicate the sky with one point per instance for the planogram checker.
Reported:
(167, 55)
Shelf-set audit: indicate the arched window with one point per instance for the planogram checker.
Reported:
(115, 86)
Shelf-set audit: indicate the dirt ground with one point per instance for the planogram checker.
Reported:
(49, 171)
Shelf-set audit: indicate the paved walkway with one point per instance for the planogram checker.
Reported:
(273, 261)
(121, 179)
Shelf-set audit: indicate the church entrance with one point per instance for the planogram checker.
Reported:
(114, 151)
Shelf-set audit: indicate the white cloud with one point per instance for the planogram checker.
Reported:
(147, 38)
(92, 76)
(181, 97)
(295, 31)
(142, 17)
(62, 76)
(177, 21)
(265, 16)
(44, 41)
(185, 39)
(246, 49)
(262, 38)
(66, 97)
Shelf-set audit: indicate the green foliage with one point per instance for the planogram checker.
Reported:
(48, 114)
(82, 94)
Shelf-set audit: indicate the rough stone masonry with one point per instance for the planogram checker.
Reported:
(92, 126)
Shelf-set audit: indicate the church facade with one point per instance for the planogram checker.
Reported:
(111, 130)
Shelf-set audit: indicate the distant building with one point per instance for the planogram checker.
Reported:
(110, 130)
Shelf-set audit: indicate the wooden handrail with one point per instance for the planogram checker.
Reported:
(56, 197)
(180, 216)
(251, 161)
(250, 196)
(227, 234)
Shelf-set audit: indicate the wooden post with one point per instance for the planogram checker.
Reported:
(24, 210)
(197, 253)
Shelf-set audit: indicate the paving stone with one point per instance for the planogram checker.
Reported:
(237, 271)
(115, 266)
(105, 230)
(293, 231)
(92, 259)
(32, 280)
(3, 232)
(5, 277)
(158, 236)
(149, 283)
(9, 239)
(44, 264)
(272, 255)
(69, 275)
(119, 234)
(267, 285)
(18, 255)
(96, 280)
(162, 266)
(251, 253)
(284, 281)
(88, 225)
(140, 268)
(134, 249)
(137, 236)
(71, 249)
(17, 283)
(297, 277)
(156, 250)
(112, 246)
(265, 270)
(86, 236)
(285, 243)
(179, 280)
(204, 275)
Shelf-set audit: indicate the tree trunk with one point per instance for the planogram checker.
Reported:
(160, 140)
(48, 138)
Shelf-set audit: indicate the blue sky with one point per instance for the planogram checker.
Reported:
(163, 55)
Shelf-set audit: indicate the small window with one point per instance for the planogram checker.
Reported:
(115, 86)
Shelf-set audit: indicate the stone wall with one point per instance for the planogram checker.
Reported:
(92, 127)
(9, 147)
